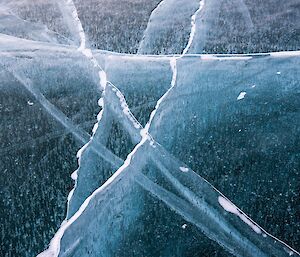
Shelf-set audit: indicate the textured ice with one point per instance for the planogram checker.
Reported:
(228, 26)
(165, 136)
(124, 198)
(169, 19)
(11, 24)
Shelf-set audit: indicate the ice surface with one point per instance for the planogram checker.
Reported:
(228, 26)
(168, 27)
(208, 112)
(11, 24)
(164, 126)
(35, 14)
(158, 173)
(115, 25)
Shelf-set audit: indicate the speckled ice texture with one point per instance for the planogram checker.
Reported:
(148, 128)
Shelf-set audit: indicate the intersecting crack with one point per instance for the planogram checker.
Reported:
(209, 205)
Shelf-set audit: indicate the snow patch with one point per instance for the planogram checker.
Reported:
(74, 175)
(103, 79)
(101, 102)
(184, 169)
(241, 96)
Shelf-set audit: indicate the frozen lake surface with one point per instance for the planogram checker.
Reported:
(150, 128)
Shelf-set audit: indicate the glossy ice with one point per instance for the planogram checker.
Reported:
(167, 125)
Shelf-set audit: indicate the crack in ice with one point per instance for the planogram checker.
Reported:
(181, 206)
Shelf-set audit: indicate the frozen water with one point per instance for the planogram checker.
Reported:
(13, 25)
(168, 27)
(158, 173)
(228, 26)
(167, 134)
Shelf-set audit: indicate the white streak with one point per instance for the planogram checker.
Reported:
(193, 29)
(173, 64)
(230, 207)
